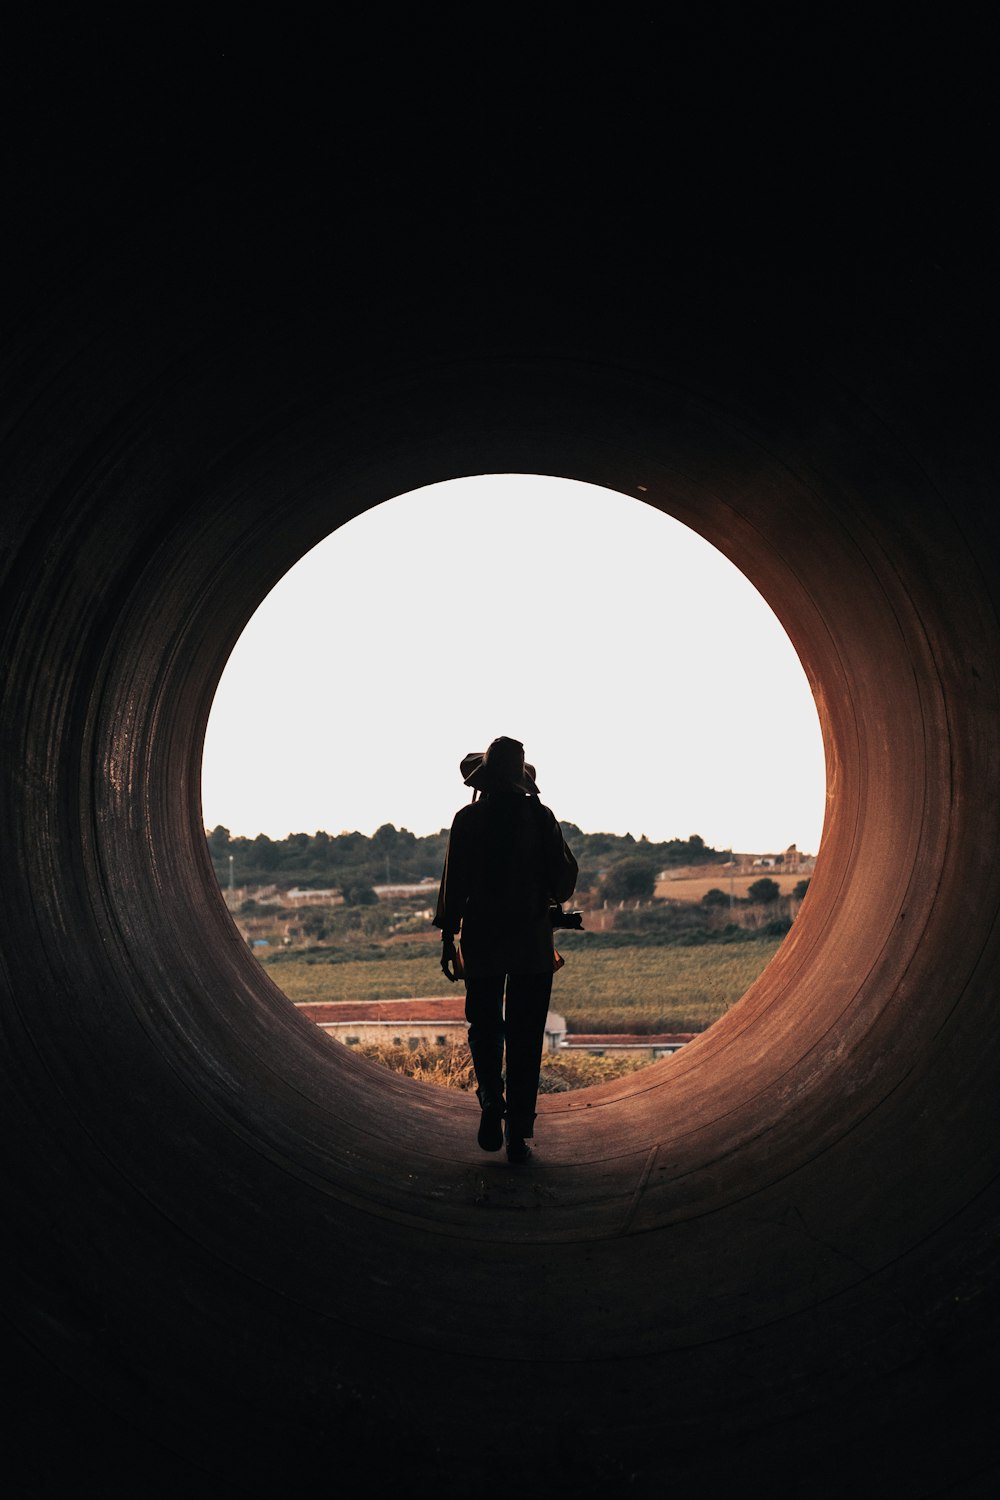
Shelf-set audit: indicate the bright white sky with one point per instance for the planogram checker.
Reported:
(654, 690)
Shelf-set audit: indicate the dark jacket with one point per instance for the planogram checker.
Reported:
(506, 862)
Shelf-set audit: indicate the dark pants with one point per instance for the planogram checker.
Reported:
(523, 1029)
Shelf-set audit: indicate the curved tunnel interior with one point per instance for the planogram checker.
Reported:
(786, 1228)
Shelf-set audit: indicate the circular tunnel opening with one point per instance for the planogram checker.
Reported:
(651, 682)
(713, 477)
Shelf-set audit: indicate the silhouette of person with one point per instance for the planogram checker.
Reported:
(506, 869)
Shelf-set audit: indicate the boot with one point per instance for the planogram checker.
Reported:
(490, 1135)
(518, 1150)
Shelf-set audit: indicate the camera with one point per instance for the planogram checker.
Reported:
(568, 919)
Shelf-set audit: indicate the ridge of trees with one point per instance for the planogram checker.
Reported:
(395, 856)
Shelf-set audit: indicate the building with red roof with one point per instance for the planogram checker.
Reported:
(440, 1020)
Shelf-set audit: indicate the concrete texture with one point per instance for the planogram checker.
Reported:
(243, 1260)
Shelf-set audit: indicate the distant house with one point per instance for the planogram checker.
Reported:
(615, 1044)
(439, 1020)
(298, 897)
(426, 888)
(791, 862)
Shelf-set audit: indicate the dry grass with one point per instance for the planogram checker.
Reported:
(562, 1072)
(450, 1067)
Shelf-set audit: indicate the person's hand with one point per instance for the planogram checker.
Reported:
(449, 960)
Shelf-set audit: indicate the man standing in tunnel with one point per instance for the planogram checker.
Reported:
(507, 871)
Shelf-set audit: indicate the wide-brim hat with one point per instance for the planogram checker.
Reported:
(501, 764)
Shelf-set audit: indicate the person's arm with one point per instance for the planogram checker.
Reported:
(449, 958)
(563, 868)
(451, 901)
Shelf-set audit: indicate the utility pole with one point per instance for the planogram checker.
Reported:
(732, 865)
(231, 884)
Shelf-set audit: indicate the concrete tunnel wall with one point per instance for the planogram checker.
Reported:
(246, 1257)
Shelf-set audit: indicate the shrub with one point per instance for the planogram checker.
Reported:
(315, 921)
(631, 879)
(763, 892)
(359, 894)
(252, 908)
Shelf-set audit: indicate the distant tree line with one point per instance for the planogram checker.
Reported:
(354, 862)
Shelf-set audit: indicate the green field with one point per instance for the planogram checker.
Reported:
(632, 989)
(657, 989)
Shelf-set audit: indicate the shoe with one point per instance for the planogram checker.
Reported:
(518, 1150)
(490, 1135)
